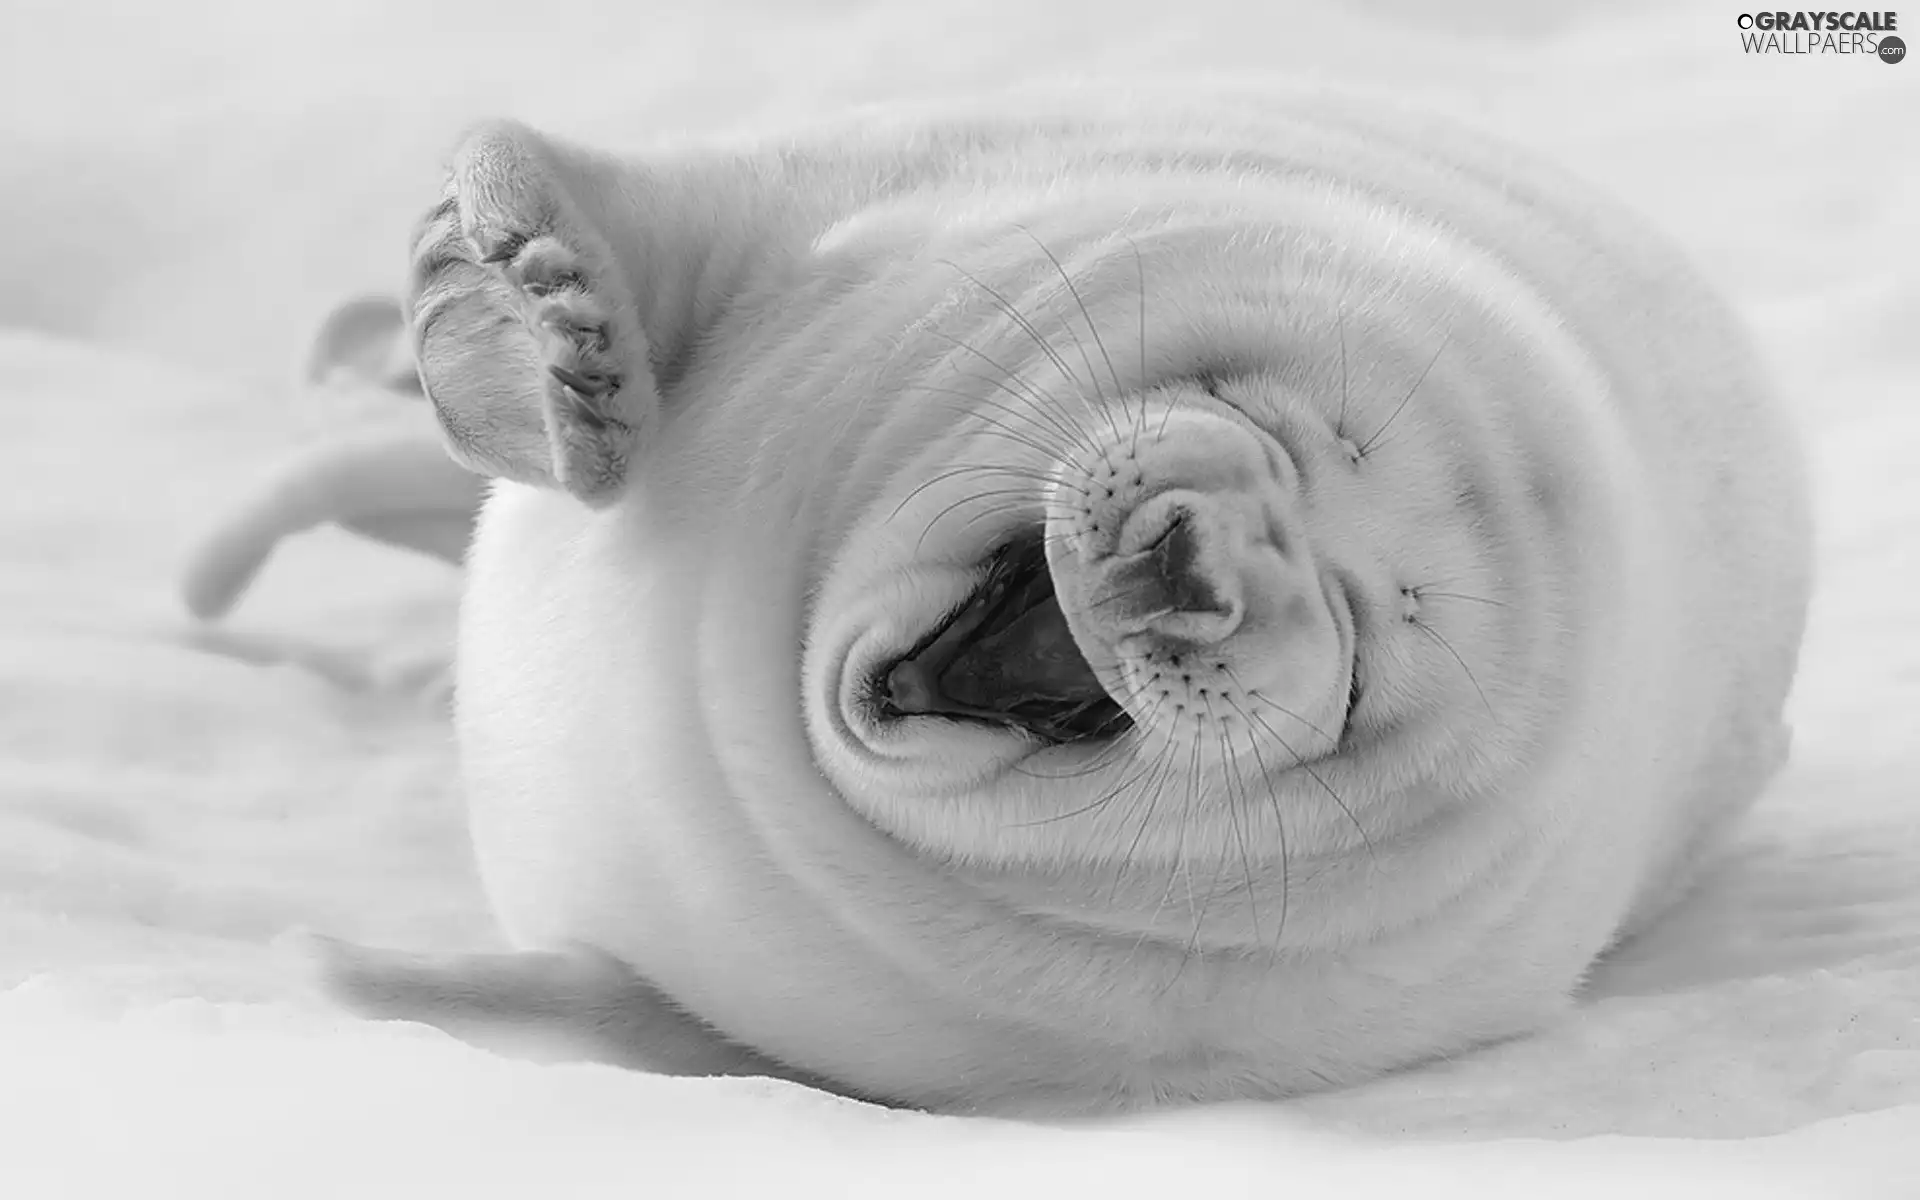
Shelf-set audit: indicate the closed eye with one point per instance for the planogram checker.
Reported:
(1342, 601)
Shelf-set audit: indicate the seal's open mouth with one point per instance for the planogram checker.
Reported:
(1006, 657)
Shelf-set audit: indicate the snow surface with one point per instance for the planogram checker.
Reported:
(189, 187)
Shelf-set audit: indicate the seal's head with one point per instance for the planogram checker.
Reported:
(1170, 550)
(1209, 635)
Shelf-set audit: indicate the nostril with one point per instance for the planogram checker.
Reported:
(1172, 580)
(1176, 557)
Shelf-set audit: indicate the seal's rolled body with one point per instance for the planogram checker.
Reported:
(1434, 556)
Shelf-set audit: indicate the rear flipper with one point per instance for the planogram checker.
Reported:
(568, 1005)
(364, 343)
(392, 483)
(387, 478)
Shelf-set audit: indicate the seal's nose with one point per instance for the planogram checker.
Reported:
(1171, 574)
(1192, 539)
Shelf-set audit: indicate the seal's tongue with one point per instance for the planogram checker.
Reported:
(1009, 657)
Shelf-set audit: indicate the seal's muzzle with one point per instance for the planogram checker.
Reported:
(1186, 573)
(1180, 587)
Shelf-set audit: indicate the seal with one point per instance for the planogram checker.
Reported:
(1034, 615)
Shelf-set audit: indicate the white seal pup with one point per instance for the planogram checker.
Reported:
(1057, 615)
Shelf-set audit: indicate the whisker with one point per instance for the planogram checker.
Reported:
(1304, 765)
(1181, 870)
(1340, 319)
(1163, 772)
(1433, 633)
(1034, 396)
(1117, 790)
(1030, 439)
(1033, 333)
(1425, 593)
(1086, 360)
(1001, 509)
(1283, 710)
(997, 510)
(997, 430)
(1228, 762)
(1043, 435)
(1280, 831)
(1118, 387)
(1199, 918)
(1140, 278)
(1120, 747)
(1368, 445)
(976, 469)
(1054, 429)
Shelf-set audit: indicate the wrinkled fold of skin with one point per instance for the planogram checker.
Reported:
(1426, 570)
